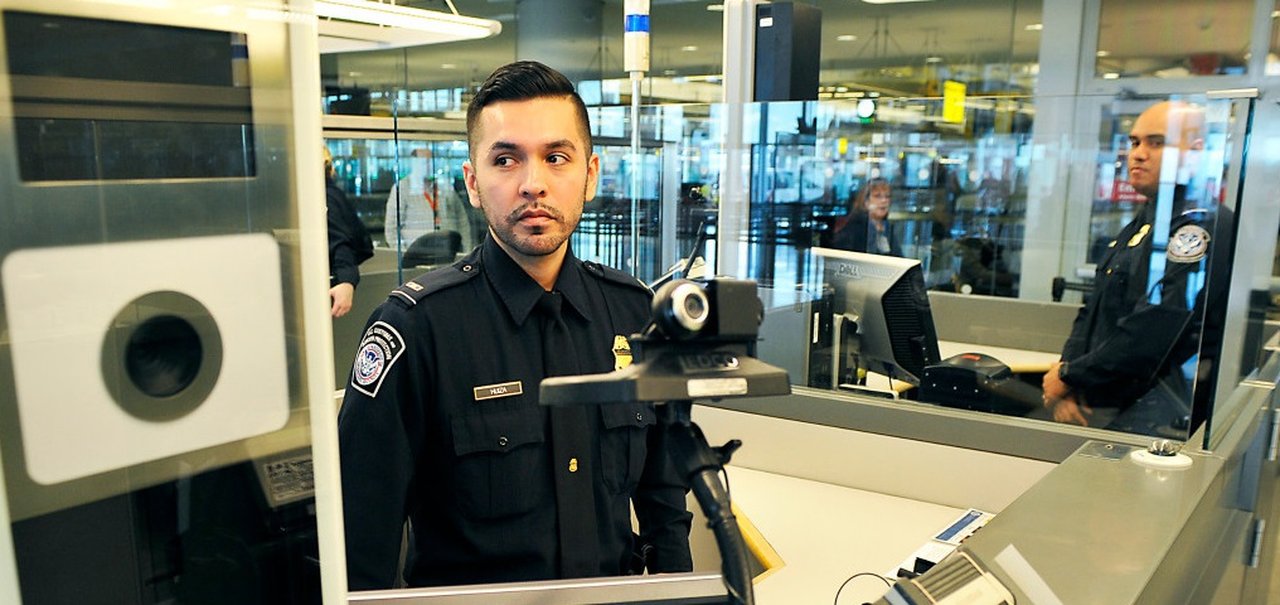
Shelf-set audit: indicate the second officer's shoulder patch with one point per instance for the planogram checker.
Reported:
(1189, 244)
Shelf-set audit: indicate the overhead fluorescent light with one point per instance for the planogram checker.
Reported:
(357, 25)
(893, 1)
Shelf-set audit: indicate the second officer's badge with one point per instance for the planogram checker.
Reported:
(621, 352)
(1188, 244)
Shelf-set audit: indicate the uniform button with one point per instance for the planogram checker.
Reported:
(573, 465)
(502, 441)
(639, 417)
(466, 268)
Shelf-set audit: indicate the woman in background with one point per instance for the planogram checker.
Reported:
(868, 228)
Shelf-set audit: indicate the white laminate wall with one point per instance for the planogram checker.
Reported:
(917, 470)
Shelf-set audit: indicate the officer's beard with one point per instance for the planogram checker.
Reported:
(539, 241)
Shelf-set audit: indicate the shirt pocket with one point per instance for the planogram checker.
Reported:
(1114, 299)
(623, 444)
(500, 468)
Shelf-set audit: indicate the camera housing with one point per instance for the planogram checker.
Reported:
(721, 309)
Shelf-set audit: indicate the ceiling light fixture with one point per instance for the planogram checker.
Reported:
(1034, 27)
(356, 25)
(715, 8)
(846, 38)
(893, 1)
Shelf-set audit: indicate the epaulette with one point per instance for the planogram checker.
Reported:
(418, 288)
(613, 275)
(1193, 216)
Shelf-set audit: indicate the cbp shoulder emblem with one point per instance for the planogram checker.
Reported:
(381, 346)
(1188, 244)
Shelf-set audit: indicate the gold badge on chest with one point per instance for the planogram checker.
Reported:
(1137, 237)
(621, 352)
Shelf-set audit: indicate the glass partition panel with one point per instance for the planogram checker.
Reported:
(953, 196)
(155, 429)
(873, 233)
(404, 182)
(1157, 38)
(1273, 55)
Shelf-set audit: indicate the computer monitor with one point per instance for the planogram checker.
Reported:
(881, 315)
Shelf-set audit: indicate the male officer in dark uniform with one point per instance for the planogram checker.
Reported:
(1146, 316)
(349, 243)
(441, 423)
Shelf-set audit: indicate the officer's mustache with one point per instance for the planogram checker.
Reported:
(534, 207)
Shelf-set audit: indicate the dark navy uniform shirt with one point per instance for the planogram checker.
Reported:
(441, 424)
(349, 241)
(1145, 315)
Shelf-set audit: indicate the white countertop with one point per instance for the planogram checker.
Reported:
(825, 533)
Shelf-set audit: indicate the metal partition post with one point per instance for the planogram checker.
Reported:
(739, 61)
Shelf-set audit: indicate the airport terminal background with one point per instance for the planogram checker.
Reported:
(1000, 126)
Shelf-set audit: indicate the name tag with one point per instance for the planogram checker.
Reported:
(494, 391)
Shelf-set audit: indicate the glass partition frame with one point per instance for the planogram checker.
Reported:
(811, 153)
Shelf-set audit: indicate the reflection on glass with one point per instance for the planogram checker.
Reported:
(1151, 38)
(1273, 55)
(958, 192)
(1142, 355)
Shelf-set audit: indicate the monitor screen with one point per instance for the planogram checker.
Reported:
(885, 299)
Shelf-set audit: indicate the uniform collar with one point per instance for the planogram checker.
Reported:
(519, 292)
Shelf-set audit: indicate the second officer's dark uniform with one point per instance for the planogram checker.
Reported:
(441, 424)
(1146, 316)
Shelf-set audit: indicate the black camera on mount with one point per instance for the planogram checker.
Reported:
(720, 309)
(699, 344)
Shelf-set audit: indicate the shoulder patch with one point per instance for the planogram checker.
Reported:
(613, 275)
(379, 349)
(1189, 244)
(428, 283)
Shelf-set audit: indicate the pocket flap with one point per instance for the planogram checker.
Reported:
(617, 415)
(498, 432)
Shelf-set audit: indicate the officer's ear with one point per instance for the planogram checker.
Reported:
(469, 179)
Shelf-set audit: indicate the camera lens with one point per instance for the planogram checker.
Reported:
(163, 356)
(681, 309)
(695, 306)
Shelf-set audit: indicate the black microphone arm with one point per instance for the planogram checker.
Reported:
(713, 365)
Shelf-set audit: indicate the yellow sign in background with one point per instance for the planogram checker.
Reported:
(953, 101)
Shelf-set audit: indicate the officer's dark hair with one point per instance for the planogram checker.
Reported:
(524, 81)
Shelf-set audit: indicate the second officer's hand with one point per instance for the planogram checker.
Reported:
(340, 298)
(1069, 410)
(1054, 388)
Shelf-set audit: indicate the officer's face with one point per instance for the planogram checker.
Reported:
(1154, 138)
(531, 173)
